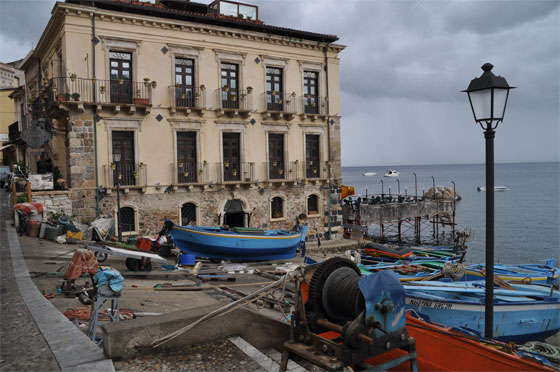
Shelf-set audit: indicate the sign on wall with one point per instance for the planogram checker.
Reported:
(41, 181)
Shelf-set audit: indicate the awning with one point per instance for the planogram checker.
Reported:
(5, 147)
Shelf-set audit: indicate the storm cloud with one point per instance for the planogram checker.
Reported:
(403, 69)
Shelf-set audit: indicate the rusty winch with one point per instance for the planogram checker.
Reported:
(342, 318)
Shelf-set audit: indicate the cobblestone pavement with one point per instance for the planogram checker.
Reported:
(22, 346)
(220, 356)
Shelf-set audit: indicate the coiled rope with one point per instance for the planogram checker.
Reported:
(548, 351)
(455, 271)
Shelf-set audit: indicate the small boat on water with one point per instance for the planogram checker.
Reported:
(406, 272)
(531, 273)
(529, 312)
(392, 173)
(369, 174)
(496, 188)
(238, 243)
(383, 250)
(443, 348)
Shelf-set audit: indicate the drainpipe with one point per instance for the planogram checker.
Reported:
(94, 82)
(325, 50)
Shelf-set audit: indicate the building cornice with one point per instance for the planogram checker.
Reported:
(178, 25)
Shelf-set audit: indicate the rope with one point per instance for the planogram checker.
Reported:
(455, 271)
(225, 309)
(548, 351)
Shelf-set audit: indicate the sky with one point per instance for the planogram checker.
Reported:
(403, 70)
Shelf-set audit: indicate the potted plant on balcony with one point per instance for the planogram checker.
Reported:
(76, 96)
(154, 84)
(233, 98)
(202, 87)
(226, 88)
(102, 89)
(146, 82)
(137, 93)
(73, 76)
(67, 96)
(243, 96)
(249, 90)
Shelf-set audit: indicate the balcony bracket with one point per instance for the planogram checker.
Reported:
(126, 190)
(131, 109)
(80, 107)
(116, 109)
(144, 189)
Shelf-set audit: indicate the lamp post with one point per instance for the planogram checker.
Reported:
(415, 188)
(382, 190)
(117, 161)
(399, 186)
(454, 206)
(488, 95)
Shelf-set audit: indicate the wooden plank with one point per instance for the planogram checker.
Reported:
(125, 253)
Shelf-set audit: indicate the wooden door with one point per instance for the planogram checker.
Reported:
(231, 154)
(184, 82)
(121, 77)
(276, 156)
(312, 164)
(123, 143)
(186, 157)
(230, 89)
(310, 92)
(274, 89)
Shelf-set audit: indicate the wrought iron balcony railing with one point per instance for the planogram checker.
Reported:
(313, 105)
(185, 173)
(127, 174)
(235, 172)
(279, 102)
(233, 99)
(118, 91)
(281, 171)
(181, 96)
(313, 169)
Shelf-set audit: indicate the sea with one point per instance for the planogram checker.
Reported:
(526, 216)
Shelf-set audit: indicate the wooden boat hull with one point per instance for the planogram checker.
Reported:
(529, 316)
(220, 243)
(441, 348)
(527, 273)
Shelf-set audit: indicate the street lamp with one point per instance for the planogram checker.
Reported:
(382, 190)
(488, 95)
(117, 161)
(399, 186)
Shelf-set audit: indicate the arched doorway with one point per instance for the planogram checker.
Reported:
(234, 216)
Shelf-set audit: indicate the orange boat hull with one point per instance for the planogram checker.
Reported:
(439, 350)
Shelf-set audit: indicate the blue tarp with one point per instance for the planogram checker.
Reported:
(110, 275)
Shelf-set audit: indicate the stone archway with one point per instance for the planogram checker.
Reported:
(234, 215)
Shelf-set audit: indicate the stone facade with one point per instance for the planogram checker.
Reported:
(55, 201)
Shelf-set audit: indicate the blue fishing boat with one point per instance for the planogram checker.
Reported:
(238, 243)
(528, 312)
(544, 273)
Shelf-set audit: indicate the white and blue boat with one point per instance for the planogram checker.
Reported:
(238, 243)
(532, 273)
(529, 312)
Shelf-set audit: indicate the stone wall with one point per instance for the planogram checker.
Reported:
(152, 209)
(55, 201)
(81, 165)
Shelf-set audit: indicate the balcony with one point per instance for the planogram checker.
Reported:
(235, 173)
(278, 105)
(130, 176)
(314, 170)
(186, 100)
(313, 107)
(72, 93)
(287, 171)
(233, 102)
(189, 174)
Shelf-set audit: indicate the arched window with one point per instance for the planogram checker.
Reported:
(188, 214)
(127, 219)
(277, 207)
(312, 205)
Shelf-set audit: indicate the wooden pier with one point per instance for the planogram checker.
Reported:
(401, 219)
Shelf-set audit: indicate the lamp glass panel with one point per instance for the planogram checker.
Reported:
(481, 101)
(500, 100)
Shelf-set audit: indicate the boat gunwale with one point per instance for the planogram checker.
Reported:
(236, 235)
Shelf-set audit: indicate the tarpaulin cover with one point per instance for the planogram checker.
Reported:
(108, 274)
(27, 208)
(83, 261)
